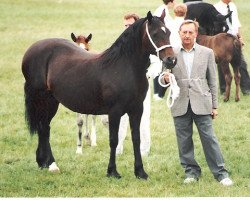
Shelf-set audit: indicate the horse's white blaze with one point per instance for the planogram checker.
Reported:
(53, 168)
(164, 29)
(83, 46)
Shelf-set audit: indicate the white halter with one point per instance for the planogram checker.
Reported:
(152, 42)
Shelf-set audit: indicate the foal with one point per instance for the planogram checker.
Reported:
(227, 49)
(83, 42)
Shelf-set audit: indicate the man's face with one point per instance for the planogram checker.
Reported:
(226, 1)
(128, 22)
(188, 34)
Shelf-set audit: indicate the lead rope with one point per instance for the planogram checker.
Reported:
(174, 89)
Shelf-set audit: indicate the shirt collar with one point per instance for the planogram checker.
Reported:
(193, 48)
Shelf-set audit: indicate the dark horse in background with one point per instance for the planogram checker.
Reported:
(211, 21)
(113, 82)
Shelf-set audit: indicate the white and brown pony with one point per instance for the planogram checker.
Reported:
(90, 136)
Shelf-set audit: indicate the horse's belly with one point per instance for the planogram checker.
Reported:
(80, 104)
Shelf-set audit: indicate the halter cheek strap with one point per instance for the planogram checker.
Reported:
(154, 45)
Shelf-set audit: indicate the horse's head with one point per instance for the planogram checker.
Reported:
(158, 40)
(220, 25)
(81, 40)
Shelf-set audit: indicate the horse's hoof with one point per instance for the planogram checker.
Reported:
(93, 144)
(226, 99)
(53, 168)
(79, 150)
(114, 174)
(237, 99)
(141, 174)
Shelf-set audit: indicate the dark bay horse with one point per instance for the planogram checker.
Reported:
(90, 134)
(227, 50)
(113, 82)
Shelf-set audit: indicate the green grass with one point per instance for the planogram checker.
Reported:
(24, 22)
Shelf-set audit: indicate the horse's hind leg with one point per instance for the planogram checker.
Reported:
(237, 82)
(79, 134)
(93, 131)
(46, 109)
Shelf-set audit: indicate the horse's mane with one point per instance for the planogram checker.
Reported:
(126, 44)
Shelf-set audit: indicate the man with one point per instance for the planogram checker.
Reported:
(129, 19)
(195, 73)
(225, 6)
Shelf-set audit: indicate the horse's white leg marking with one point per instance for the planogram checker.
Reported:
(79, 135)
(145, 126)
(93, 130)
(86, 134)
(53, 167)
(122, 133)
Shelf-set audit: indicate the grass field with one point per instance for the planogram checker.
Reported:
(23, 22)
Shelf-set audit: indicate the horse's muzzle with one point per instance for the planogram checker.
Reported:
(169, 62)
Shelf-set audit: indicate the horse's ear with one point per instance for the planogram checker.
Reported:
(73, 37)
(163, 14)
(149, 16)
(89, 38)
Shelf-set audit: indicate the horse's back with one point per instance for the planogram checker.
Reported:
(38, 56)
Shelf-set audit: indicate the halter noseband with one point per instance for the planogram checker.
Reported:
(154, 45)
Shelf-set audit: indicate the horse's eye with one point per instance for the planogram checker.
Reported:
(164, 29)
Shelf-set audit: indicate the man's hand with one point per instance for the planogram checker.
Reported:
(214, 113)
(166, 76)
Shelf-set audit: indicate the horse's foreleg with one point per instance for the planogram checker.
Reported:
(86, 134)
(237, 83)
(114, 121)
(79, 134)
(134, 119)
(93, 130)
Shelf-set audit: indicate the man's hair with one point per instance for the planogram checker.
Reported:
(167, 1)
(189, 21)
(131, 15)
(180, 10)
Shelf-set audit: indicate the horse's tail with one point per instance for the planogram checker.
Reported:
(237, 52)
(32, 115)
(40, 108)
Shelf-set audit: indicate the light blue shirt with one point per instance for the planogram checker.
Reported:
(188, 57)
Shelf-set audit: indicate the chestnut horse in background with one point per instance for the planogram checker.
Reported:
(227, 50)
(83, 42)
(113, 82)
